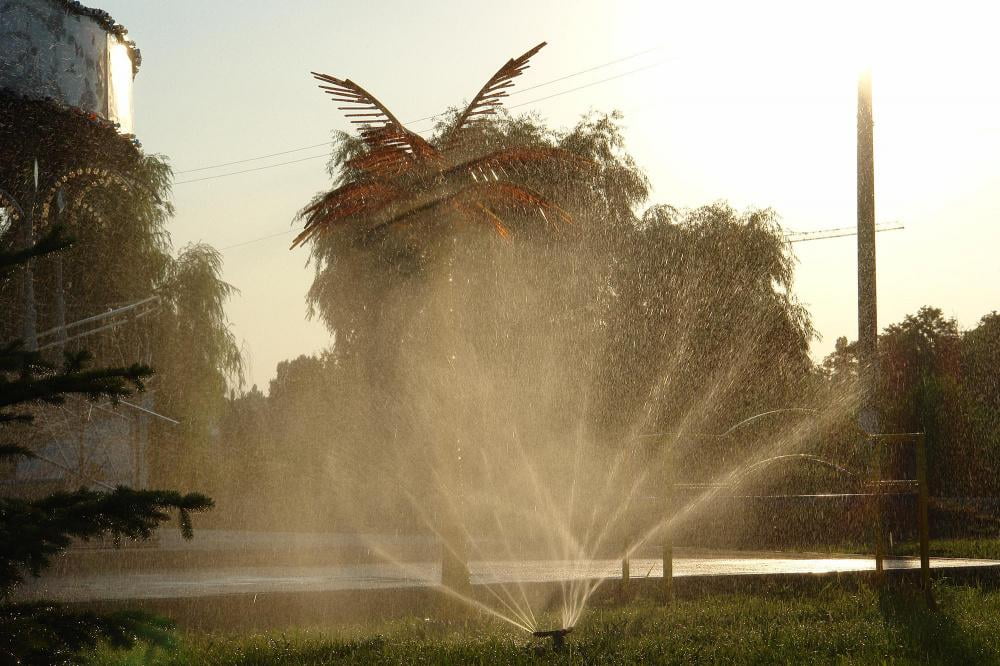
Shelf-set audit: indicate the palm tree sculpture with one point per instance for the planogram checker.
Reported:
(400, 175)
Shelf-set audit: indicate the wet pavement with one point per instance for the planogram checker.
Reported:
(186, 583)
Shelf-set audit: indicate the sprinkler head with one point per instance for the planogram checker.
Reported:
(558, 636)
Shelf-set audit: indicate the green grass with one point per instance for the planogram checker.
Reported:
(983, 549)
(832, 625)
(977, 549)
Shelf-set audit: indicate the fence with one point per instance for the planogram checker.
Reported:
(874, 488)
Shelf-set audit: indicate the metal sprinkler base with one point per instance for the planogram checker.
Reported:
(558, 636)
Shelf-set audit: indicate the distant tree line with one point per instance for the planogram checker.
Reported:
(937, 379)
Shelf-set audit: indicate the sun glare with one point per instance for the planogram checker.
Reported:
(120, 84)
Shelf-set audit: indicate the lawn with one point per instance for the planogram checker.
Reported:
(829, 625)
(982, 549)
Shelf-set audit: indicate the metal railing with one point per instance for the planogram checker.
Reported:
(876, 488)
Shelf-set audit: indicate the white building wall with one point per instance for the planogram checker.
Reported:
(47, 49)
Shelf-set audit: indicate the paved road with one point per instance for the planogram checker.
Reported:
(169, 584)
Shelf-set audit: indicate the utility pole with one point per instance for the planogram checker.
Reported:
(867, 304)
(867, 300)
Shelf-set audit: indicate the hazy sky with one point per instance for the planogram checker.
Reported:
(754, 105)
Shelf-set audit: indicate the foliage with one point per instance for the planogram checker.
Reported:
(40, 633)
(704, 318)
(938, 380)
(304, 429)
(202, 360)
(34, 531)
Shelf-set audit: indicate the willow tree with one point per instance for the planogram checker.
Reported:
(203, 361)
(705, 327)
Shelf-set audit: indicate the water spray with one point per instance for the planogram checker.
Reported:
(558, 637)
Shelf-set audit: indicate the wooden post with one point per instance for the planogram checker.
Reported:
(668, 537)
(879, 511)
(626, 569)
(923, 496)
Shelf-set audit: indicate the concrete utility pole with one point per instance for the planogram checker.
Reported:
(867, 304)
(867, 301)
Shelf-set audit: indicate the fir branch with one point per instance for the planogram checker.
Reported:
(32, 532)
(13, 450)
(44, 633)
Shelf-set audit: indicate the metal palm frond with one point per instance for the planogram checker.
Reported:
(400, 175)
(379, 128)
(341, 204)
(490, 96)
(496, 164)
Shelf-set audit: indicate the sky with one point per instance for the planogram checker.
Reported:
(752, 103)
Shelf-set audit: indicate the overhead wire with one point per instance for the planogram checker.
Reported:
(260, 168)
(430, 117)
(254, 159)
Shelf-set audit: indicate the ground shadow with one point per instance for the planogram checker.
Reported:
(931, 633)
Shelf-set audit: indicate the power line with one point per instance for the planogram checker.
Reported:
(514, 106)
(592, 83)
(824, 234)
(431, 117)
(521, 91)
(257, 240)
(254, 159)
(262, 168)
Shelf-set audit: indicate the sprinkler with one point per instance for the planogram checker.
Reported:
(558, 637)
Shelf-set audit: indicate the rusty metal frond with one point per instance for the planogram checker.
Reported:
(491, 196)
(482, 212)
(340, 204)
(515, 197)
(490, 97)
(378, 127)
(400, 169)
(393, 153)
(511, 158)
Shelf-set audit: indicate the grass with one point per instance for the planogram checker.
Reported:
(831, 625)
(976, 549)
(983, 549)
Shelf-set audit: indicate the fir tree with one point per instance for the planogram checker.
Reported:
(33, 531)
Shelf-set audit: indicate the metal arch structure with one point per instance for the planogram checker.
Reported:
(53, 203)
